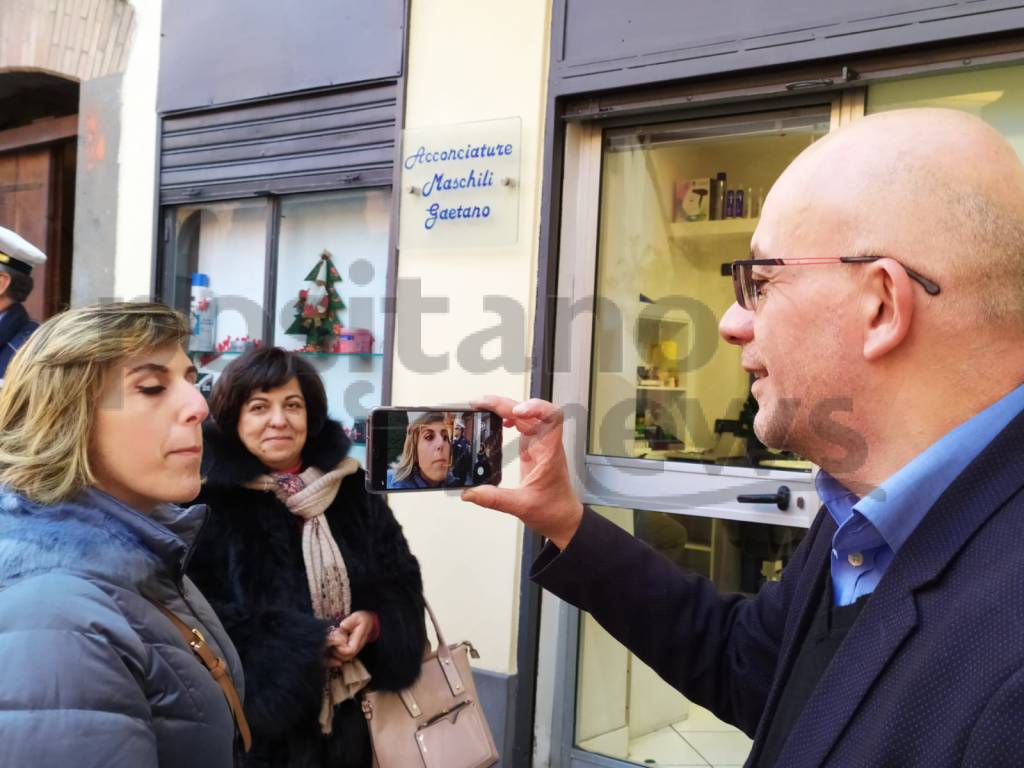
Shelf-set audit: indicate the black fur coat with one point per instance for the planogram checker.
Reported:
(248, 563)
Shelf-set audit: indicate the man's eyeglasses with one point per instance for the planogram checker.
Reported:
(748, 288)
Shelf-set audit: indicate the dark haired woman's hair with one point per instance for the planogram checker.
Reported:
(263, 369)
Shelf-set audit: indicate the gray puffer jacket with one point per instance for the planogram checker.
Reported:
(92, 675)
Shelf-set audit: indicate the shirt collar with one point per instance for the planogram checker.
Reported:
(899, 504)
(836, 497)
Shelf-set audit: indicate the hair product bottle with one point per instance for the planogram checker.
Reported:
(202, 315)
(719, 195)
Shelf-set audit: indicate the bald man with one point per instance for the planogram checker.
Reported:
(886, 275)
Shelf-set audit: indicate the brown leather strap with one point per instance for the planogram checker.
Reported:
(195, 640)
(444, 655)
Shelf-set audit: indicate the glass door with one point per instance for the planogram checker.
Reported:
(679, 202)
(654, 215)
(659, 410)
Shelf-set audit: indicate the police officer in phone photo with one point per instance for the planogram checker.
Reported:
(17, 258)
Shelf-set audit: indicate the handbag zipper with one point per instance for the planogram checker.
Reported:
(445, 713)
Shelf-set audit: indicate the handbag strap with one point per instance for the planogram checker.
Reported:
(433, 620)
(444, 656)
(218, 669)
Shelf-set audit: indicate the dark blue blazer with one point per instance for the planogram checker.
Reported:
(15, 328)
(931, 674)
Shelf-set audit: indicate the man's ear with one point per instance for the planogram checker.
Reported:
(888, 307)
(5, 282)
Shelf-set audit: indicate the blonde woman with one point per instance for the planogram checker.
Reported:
(425, 461)
(100, 435)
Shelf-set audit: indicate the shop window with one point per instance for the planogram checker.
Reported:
(623, 709)
(353, 228)
(226, 242)
(237, 246)
(995, 95)
(678, 203)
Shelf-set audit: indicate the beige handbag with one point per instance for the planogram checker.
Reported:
(436, 723)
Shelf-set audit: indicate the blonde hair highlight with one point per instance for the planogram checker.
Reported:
(51, 392)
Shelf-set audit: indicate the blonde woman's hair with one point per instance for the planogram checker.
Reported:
(406, 463)
(50, 395)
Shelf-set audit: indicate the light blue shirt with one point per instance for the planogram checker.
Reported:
(872, 530)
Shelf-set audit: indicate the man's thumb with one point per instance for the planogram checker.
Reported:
(492, 497)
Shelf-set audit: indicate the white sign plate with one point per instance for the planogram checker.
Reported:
(460, 185)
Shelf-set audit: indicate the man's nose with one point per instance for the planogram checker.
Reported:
(737, 325)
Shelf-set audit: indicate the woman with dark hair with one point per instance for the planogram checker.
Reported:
(311, 575)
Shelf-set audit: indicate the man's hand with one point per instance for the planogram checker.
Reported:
(545, 500)
(350, 637)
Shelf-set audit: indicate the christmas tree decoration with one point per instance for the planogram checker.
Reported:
(317, 306)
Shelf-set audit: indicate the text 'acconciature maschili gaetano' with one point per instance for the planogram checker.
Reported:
(442, 181)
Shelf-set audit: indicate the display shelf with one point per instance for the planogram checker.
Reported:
(691, 230)
(650, 387)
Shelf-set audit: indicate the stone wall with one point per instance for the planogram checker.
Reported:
(78, 39)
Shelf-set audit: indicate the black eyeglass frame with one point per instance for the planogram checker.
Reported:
(746, 296)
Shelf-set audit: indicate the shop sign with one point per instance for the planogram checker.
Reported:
(460, 185)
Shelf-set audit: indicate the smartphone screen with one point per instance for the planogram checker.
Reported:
(423, 449)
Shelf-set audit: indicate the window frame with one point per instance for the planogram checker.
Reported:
(164, 275)
(675, 487)
(563, 344)
(605, 480)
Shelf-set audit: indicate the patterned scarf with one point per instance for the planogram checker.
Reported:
(307, 495)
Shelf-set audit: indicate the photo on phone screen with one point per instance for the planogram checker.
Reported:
(417, 449)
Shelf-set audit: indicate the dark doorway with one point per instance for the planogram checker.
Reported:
(38, 150)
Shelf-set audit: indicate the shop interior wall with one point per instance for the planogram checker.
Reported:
(471, 62)
(640, 254)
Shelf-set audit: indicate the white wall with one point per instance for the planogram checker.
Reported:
(469, 62)
(136, 203)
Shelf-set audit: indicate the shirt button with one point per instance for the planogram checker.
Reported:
(856, 559)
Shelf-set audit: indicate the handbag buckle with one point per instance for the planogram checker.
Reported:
(198, 642)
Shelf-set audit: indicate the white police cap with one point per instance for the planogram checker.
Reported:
(18, 253)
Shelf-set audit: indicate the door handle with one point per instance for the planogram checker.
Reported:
(780, 498)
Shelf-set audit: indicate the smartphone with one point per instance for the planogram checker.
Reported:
(432, 448)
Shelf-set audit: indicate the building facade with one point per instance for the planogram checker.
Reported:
(74, 78)
(242, 140)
